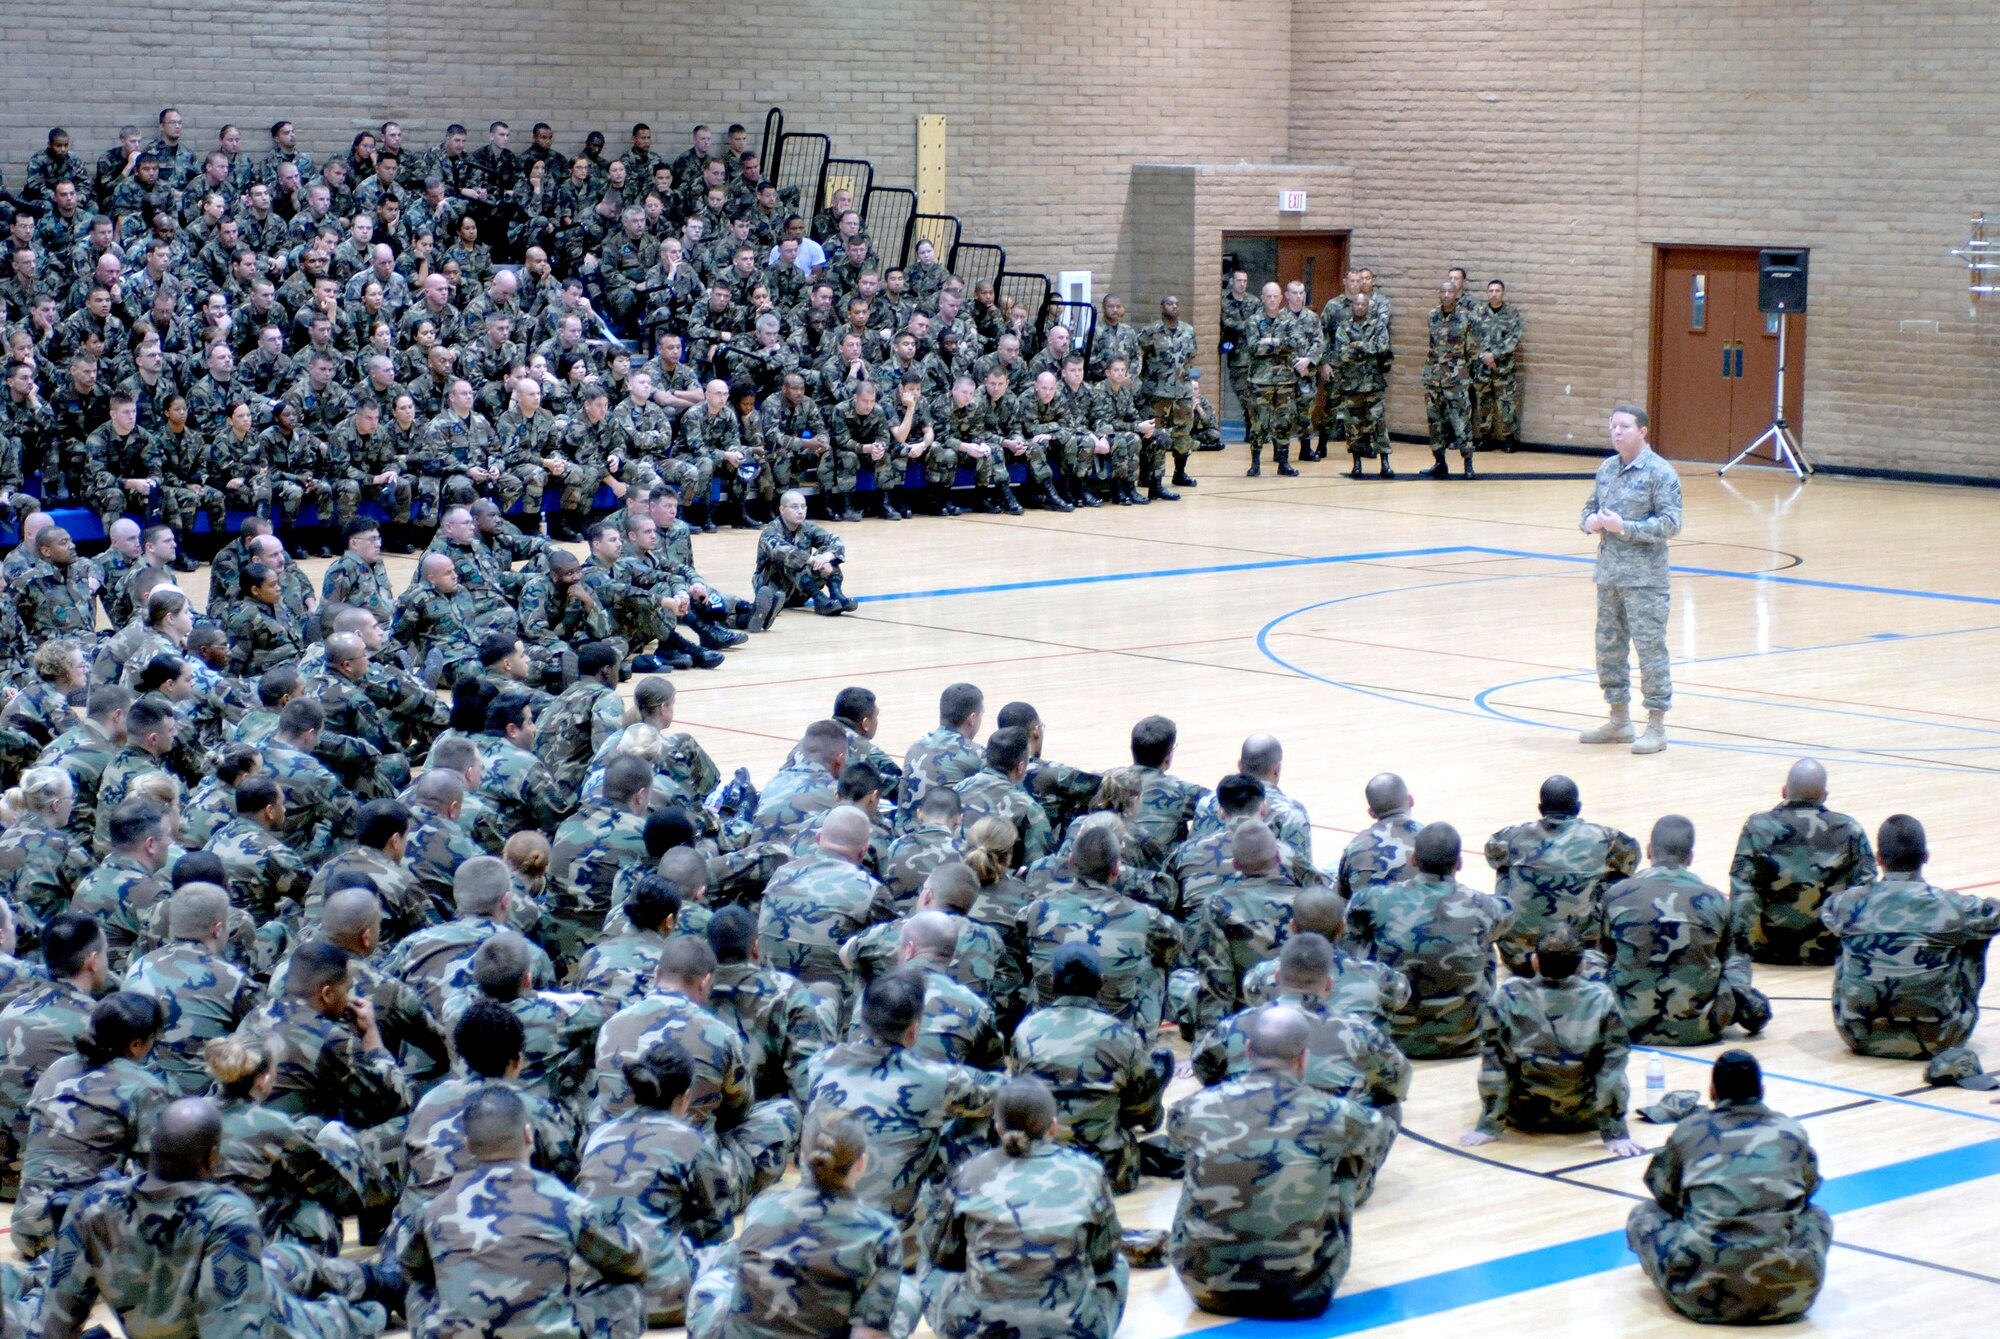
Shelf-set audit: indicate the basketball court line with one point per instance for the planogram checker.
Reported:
(1564, 1262)
(1482, 704)
(1773, 578)
(1601, 1253)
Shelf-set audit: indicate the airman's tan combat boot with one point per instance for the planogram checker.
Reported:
(1617, 728)
(1655, 737)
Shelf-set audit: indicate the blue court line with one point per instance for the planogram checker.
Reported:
(1483, 709)
(1770, 578)
(1565, 1262)
(1889, 1098)
(1048, 583)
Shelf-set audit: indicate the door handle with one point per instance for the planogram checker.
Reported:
(1739, 358)
(1725, 361)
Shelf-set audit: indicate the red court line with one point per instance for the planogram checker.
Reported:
(732, 730)
(907, 669)
(1428, 651)
(1844, 702)
(1987, 884)
(964, 664)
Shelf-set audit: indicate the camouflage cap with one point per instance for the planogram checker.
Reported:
(1675, 1106)
(1958, 1065)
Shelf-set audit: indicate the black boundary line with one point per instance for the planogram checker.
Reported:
(1560, 1179)
(1404, 691)
(1805, 1115)
(1269, 494)
(1772, 740)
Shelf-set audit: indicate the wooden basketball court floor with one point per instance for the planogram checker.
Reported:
(1443, 630)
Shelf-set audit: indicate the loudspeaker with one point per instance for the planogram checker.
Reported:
(1781, 281)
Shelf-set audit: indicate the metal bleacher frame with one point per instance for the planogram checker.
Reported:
(887, 215)
(940, 230)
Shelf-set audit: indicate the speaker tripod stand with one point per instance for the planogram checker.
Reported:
(1784, 444)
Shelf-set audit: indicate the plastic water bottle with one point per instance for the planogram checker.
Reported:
(1656, 1080)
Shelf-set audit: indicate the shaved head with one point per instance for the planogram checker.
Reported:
(185, 1139)
(1386, 794)
(1261, 756)
(1277, 1038)
(845, 832)
(349, 914)
(1806, 782)
(932, 934)
(1255, 848)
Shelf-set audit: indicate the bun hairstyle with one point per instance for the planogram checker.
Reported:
(40, 790)
(118, 1020)
(1118, 792)
(832, 1143)
(236, 1064)
(527, 853)
(990, 849)
(661, 1075)
(1022, 1115)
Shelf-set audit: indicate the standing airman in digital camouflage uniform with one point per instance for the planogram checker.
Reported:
(1679, 970)
(1448, 382)
(1309, 337)
(1634, 509)
(1733, 1237)
(1360, 356)
(1554, 1055)
(1262, 1228)
(1496, 380)
(1238, 311)
(1912, 955)
(1271, 336)
(1168, 349)
(1440, 934)
(1788, 861)
(1554, 871)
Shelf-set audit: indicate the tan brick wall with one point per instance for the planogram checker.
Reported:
(1556, 143)
(1553, 142)
(1048, 103)
(1176, 215)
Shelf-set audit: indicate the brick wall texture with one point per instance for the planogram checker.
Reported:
(1553, 142)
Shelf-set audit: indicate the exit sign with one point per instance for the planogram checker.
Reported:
(1291, 202)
